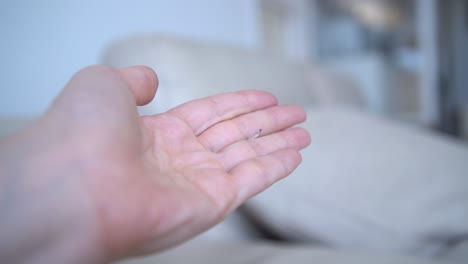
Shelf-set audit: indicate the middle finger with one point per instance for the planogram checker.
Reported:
(265, 121)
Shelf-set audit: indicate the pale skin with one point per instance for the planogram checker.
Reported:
(91, 181)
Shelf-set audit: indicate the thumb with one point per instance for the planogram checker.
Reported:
(98, 92)
(143, 83)
(104, 86)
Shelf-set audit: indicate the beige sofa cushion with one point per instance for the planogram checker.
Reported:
(370, 184)
(189, 70)
(267, 253)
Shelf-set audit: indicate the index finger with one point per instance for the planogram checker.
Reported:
(203, 113)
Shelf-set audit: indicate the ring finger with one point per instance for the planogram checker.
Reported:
(294, 138)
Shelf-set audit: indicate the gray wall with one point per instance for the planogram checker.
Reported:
(453, 37)
(461, 51)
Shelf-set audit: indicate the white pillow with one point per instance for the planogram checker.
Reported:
(371, 184)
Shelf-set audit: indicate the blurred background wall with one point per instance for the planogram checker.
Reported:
(408, 56)
(43, 43)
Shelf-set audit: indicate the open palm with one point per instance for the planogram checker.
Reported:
(159, 180)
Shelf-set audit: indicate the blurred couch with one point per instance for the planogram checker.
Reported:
(366, 184)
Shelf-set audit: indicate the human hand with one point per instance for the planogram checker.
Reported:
(142, 184)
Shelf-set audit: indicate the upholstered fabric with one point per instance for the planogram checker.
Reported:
(189, 70)
(372, 184)
(267, 253)
(365, 183)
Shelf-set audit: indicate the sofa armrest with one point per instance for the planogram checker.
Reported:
(331, 88)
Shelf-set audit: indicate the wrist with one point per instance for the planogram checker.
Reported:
(45, 212)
